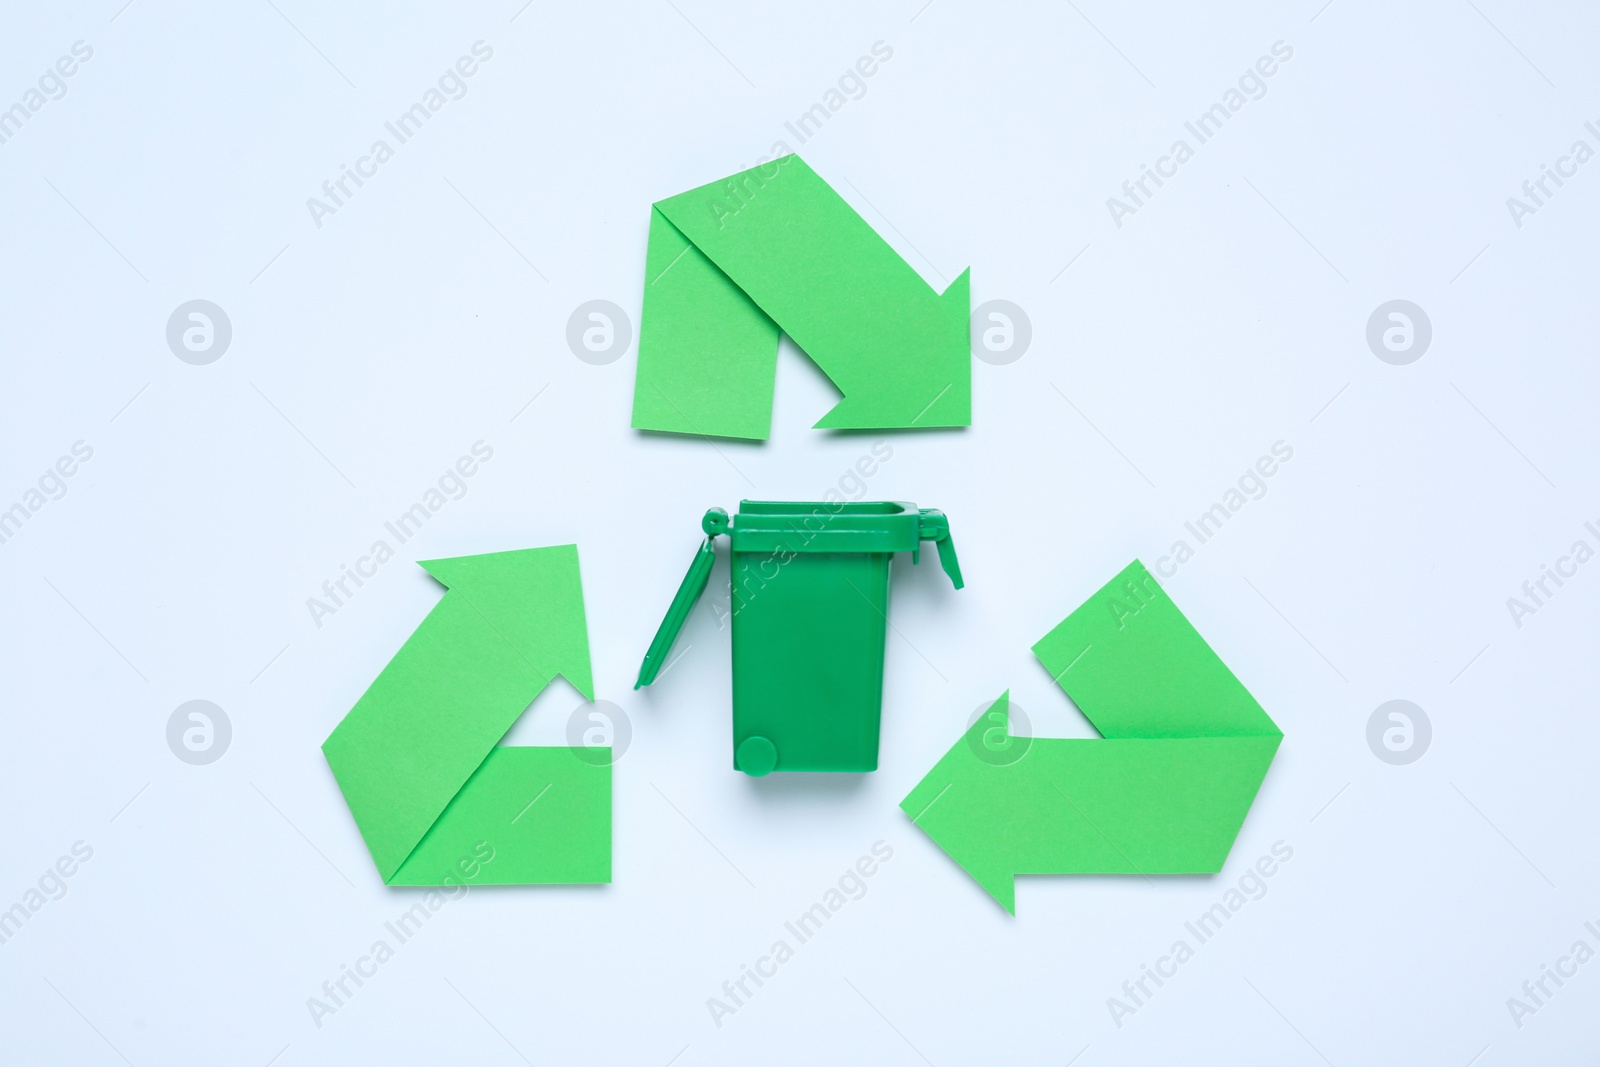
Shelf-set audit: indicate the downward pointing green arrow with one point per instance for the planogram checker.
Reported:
(418, 758)
(774, 249)
(1185, 748)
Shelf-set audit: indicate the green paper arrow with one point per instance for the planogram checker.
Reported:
(1184, 750)
(733, 263)
(418, 758)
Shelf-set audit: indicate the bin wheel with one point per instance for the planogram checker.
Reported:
(756, 756)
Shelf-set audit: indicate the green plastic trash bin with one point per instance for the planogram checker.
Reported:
(810, 608)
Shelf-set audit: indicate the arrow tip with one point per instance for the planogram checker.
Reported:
(927, 384)
(533, 597)
(1004, 891)
(948, 805)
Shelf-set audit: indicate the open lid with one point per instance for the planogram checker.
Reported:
(694, 583)
(770, 526)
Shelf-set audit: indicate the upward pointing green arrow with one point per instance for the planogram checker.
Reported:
(418, 758)
(774, 249)
(1185, 748)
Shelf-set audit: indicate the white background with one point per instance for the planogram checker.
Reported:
(368, 354)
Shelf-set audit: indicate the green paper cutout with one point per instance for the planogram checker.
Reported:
(774, 248)
(418, 758)
(1184, 749)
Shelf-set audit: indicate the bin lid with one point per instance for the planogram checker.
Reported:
(769, 526)
(683, 601)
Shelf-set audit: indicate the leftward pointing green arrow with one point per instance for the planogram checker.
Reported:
(774, 249)
(1184, 749)
(418, 758)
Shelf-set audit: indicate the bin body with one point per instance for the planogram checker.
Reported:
(808, 646)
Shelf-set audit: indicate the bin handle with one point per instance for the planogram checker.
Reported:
(933, 526)
(694, 583)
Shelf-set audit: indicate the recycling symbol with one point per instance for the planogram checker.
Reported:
(730, 267)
